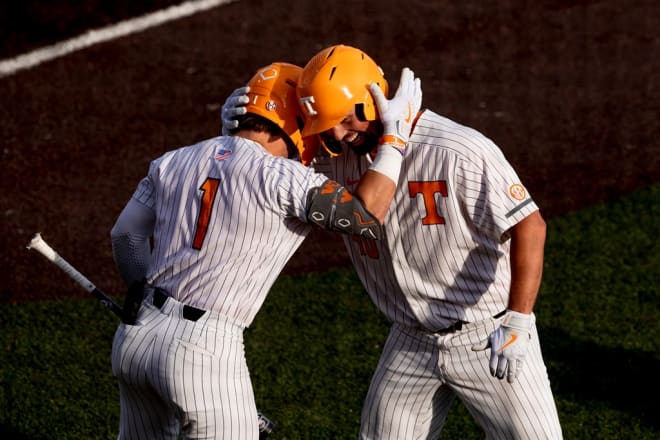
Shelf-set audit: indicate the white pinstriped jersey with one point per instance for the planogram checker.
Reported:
(445, 256)
(229, 217)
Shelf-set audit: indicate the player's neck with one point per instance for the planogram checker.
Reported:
(275, 146)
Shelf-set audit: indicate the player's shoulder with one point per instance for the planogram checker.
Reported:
(199, 147)
(219, 148)
(430, 123)
(234, 149)
(290, 173)
(285, 167)
(231, 144)
(433, 130)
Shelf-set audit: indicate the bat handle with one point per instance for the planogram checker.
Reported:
(116, 309)
(39, 244)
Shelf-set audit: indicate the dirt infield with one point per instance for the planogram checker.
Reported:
(568, 89)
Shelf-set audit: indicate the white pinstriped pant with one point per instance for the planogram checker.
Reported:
(420, 374)
(179, 376)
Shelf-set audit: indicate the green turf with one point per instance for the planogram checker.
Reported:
(317, 339)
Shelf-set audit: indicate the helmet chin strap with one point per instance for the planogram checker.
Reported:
(332, 146)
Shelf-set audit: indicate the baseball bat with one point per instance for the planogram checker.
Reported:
(39, 244)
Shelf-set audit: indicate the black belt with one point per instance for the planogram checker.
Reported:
(189, 312)
(451, 329)
(458, 325)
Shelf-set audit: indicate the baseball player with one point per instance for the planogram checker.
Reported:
(225, 215)
(457, 272)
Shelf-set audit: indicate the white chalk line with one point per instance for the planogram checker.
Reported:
(96, 36)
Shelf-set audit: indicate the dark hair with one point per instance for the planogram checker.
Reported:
(254, 122)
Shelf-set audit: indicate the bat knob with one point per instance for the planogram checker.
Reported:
(265, 426)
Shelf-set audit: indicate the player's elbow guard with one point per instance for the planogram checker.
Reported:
(333, 207)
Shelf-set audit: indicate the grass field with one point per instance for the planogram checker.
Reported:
(316, 341)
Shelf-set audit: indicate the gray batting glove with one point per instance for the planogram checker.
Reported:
(508, 345)
(234, 106)
(398, 114)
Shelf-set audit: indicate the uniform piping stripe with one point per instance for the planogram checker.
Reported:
(518, 208)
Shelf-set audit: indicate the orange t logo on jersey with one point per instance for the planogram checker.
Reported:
(428, 191)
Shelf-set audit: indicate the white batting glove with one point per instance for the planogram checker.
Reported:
(508, 345)
(398, 114)
(234, 106)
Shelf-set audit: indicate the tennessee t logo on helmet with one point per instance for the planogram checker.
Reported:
(336, 81)
(306, 103)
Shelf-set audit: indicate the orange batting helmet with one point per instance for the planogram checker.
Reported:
(273, 96)
(334, 82)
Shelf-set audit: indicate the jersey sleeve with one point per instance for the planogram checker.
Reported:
(492, 192)
(288, 182)
(145, 193)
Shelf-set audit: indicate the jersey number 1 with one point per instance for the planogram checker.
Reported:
(209, 189)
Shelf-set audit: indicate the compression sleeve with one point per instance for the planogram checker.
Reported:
(130, 235)
(333, 207)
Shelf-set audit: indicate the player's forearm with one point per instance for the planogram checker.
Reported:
(378, 184)
(527, 249)
(376, 192)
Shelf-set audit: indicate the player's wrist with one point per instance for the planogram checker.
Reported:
(522, 321)
(393, 141)
(388, 162)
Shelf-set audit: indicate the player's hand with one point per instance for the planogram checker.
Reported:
(508, 345)
(398, 114)
(234, 106)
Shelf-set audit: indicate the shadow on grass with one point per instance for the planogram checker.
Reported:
(9, 432)
(584, 371)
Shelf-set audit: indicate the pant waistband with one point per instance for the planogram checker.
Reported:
(499, 315)
(189, 312)
(457, 326)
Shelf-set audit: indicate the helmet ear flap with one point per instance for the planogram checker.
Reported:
(359, 112)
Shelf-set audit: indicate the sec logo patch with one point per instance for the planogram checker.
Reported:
(517, 191)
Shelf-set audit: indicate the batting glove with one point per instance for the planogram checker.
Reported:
(508, 345)
(398, 114)
(234, 106)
